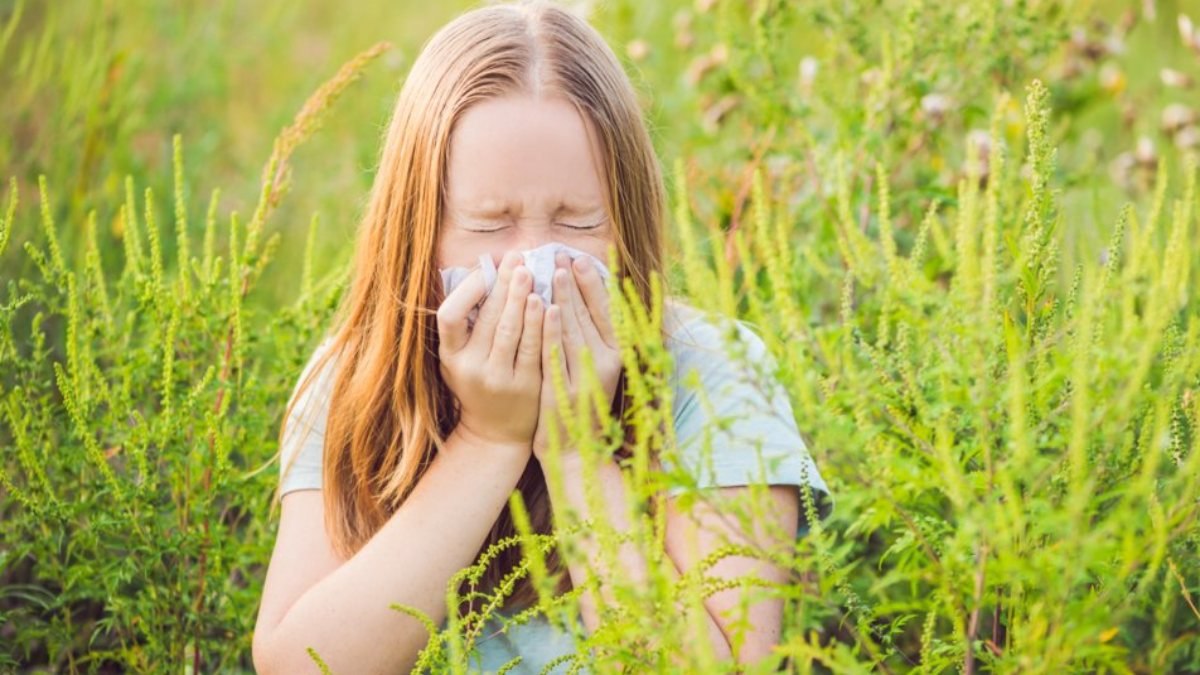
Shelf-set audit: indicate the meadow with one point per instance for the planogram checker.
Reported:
(967, 233)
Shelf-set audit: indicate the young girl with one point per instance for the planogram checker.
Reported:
(415, 420)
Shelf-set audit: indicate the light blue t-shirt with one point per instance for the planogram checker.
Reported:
(754, 406)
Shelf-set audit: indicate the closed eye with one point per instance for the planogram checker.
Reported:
(569, 227)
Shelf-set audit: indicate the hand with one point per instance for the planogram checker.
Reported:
(576, 321)
(495, 370)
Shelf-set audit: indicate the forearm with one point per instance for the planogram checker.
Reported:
(437, 531)
(629, 558)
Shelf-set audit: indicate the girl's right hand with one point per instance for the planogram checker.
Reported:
(494, 369)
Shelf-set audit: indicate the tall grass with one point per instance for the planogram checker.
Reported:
(139, 467)
(981, 311)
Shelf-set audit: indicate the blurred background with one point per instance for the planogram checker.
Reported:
(94, 91)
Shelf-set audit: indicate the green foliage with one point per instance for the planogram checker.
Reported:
(139, 427)
(990, 344)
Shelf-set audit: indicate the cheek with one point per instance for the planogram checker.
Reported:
(460, 252)
(596, 245)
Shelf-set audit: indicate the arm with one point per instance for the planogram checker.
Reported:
(689, 538)
(340, 607)
(629, 557)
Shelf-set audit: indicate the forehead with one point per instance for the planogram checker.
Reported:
(524, 153)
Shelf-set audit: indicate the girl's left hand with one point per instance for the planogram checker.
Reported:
(577, 320)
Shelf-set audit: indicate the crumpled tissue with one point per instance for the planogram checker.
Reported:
(539, 261)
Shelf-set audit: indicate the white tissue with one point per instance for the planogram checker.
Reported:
(539, 261)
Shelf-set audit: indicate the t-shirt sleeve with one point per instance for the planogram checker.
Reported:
(737, 427)
(303, 441)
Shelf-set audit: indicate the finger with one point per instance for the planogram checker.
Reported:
(529, 352)
(452, 313)
(583, 318)
(595, 296)
(552, 335)
(493, 307)
(503, 351)
(572, 332)
(553, 360)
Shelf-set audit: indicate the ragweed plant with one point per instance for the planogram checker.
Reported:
(138, 428)
(1019, 460)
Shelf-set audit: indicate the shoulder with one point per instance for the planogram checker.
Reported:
(322, 349)
(308, 406)
(709, 340)
(734, 422)
(321, 380)
(719, 361)
(303, 437)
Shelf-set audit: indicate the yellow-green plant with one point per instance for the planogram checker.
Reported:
(139, 424)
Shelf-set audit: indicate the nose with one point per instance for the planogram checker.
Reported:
(525, 239)
(532, 235)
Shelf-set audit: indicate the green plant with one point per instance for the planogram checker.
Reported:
(139, 425)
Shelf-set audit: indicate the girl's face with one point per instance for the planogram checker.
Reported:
(522, 172)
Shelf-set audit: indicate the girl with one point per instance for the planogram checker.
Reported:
(411, 425)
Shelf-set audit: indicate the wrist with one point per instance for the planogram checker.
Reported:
(469, 438)
(570, 461)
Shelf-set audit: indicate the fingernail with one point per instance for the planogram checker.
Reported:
(581, 265)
